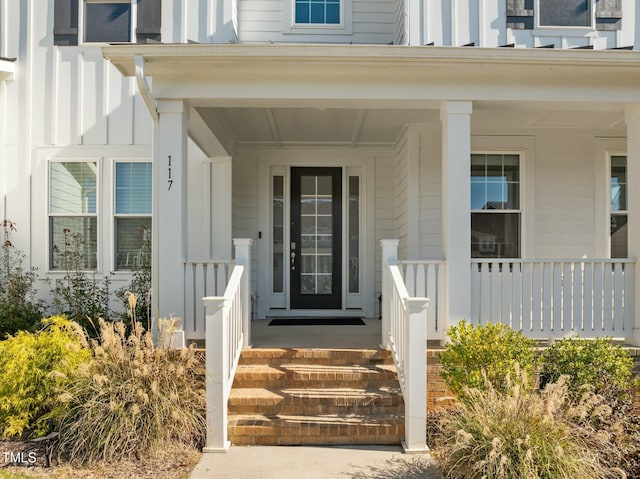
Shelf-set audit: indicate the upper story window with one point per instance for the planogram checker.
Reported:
(106, 21)
(618, 207)
(495, 206)
(598, 14)
(565, 13)
(318, 12)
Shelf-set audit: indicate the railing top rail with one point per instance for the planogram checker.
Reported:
(422, 261)
(554, 260)
(398, 281)
(209, 261)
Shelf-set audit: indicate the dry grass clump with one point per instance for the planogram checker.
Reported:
(519, 433)
(133, 399)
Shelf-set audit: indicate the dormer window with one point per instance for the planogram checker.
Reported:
(318, 12)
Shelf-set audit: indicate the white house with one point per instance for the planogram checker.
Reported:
(494, 140)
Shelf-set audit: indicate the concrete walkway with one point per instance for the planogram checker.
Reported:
(283, 462)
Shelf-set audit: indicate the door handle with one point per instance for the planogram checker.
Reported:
(293, 260)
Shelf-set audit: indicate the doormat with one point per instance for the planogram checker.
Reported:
(317, 322)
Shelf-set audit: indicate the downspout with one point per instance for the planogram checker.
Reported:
(152, 106)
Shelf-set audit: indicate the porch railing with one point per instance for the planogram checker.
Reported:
(202, 279)
(557, 297)
(404, 325)
(228, 330)
(427, 279)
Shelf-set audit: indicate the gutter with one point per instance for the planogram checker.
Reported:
(143, 87)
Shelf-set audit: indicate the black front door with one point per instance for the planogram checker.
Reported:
(316, 238)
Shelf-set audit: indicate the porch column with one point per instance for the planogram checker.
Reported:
(633, 207)
(456, 201)
(169, 229)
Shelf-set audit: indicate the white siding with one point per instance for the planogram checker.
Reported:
(430, 190)
(401, 196)
(385, 215)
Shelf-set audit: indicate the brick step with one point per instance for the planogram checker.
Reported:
(337, 357)
(316, 401)
(314, 376)
(258, 429)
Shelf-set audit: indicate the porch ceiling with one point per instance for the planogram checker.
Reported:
(380, 128)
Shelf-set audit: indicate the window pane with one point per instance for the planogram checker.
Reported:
(333, 13)
(72, 188)
(133, 188)
(107, 22)
(354, 234)
(278, 234)
(565, 13)
(618, 183)
(73, 243)
(318, 12)
(619, 236)
(495, 235)
(131, 234)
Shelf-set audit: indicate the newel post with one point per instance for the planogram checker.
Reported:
(243, 257)
(389, 256)
(217, 365)
(415, 412)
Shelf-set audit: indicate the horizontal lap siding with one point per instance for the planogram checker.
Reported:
(384, 210)
(244, 214)
(430, 191)
(401, 213)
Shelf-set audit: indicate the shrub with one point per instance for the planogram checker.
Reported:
(32, 367)
(132, 398)
(19, 310)
(80, 295)
(140, 286)
(515, 432)
(596, 362)
(476, 354)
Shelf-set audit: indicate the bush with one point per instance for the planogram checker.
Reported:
(15, 317)
(476, 354)
(32, 367)
(132, 398)
(515, 432)
(596, 362)
(140, 287)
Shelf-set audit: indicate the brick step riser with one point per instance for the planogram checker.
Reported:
(387, 440)
(320, 361)
(314, 410)
(311, 356)
(315, 384)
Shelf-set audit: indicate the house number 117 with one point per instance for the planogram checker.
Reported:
(170, 181)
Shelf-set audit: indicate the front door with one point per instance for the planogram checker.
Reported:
(316, 238)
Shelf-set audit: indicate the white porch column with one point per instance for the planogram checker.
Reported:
(633, 206)
(243, 257)
(456, 201)
(169, 229)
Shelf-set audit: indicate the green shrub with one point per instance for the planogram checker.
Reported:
(517, 432)
(476, 354)
(32, 367)
(606, 367)
(132, 398)
(15, 317)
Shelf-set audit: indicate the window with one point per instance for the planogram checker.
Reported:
(618, 207)
(132, 222)
(565, 13)
(279, 260)
(107, 21)
(103, 21)
(354, 234)
(318, 12)
(72, 215)
(495, 205)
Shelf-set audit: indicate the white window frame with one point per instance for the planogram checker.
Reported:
(115, 215)
(81, 20)
(591, 27)
(49, 214)
(518, 210)
(345, 27)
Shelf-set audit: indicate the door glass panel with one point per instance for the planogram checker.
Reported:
(278, 234)
(354, 234)
(316, 225)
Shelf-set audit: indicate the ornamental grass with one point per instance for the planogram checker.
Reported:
(134, 398)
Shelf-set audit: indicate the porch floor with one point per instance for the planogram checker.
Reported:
(331, 337)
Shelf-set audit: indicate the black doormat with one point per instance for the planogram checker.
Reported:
(317, 322)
